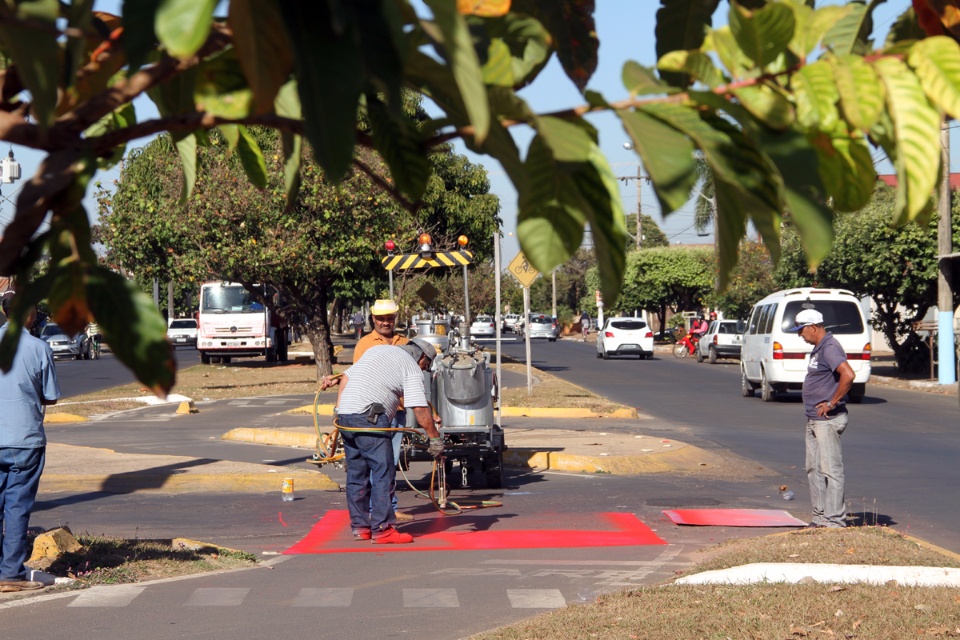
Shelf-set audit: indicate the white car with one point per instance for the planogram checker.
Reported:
(483, 327)
(510, 321)
(182, 332)
(723, 339)
(63, 345)
(625, 337)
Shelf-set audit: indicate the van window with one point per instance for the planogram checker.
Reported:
(768, 319)
(755, 318)
(840, 317)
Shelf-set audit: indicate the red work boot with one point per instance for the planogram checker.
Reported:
(392, 536)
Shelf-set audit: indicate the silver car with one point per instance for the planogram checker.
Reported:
(543, 326)
(77, 346)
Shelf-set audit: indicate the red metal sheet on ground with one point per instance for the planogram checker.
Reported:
(480, 531)
(734, 517)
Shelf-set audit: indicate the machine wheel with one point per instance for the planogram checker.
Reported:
(713, 356)
(746, 388)
(700, 357)
(204, 357)
(493, 472)
(767, 392)
(679, 350)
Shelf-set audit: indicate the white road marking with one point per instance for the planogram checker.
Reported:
(536, 598)
(217, 597)
(324, 598)
(430, 598)
(110, 596)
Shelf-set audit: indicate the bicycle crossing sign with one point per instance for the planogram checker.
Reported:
(521, 269)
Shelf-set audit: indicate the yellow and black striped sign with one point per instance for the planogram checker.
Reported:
(416, 261)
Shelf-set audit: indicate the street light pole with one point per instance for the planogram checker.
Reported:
(639, 212)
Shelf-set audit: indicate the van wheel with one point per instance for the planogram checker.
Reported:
(767, 392)
(746, 389)
(713, 356)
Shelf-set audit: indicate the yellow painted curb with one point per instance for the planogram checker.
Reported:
(276, 437)
(186, 482)
(322, 410)
(687, 459)
(63, 418)
(556, 412)
(187, 407)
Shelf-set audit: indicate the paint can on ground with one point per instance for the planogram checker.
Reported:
(286, 490)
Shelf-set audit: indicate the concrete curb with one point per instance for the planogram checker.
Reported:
(794, 573)
(63, 418)
(273, 437)
(185, 483)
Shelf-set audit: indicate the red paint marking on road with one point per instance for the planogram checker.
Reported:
(734, 517)
(280, 517)
(332, 534)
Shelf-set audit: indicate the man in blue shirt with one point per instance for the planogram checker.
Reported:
(30, 385)
(829, 378)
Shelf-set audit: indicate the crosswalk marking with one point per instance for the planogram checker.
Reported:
(217, 597)
(110, 596)
(324, 598)
(536, 598)
(430, 598)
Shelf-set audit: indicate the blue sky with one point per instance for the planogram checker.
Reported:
(626, 32)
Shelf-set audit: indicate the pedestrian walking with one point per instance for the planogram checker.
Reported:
(584, 326)
(369, 396)
(829, 378)
(357, 322)
(29, 386)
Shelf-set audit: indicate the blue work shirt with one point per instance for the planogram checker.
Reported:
(31, 379)
(822, 378)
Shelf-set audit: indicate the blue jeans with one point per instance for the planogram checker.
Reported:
(399, 422)
(20, 471)
(371, 473)
(825, 470)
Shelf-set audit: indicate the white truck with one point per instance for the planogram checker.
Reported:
(232, 323)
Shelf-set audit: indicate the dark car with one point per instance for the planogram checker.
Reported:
(667, 335)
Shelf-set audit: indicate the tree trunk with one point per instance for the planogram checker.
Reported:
(318, 332)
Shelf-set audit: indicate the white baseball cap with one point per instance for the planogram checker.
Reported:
(806, 318)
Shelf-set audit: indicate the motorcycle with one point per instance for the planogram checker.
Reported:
(687, 345)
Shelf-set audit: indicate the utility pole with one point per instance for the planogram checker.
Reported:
(639, 212)
(945, 352)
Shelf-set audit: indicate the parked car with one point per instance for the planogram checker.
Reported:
(77, 346)
(723, 339)
(625, 337)
(483, 327)
(182, 332)
(543, 326)
(510, 321)
(775, 360)
(670, 335)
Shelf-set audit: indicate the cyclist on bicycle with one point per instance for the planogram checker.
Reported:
(95, 337)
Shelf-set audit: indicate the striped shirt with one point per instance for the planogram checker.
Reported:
(384, 374)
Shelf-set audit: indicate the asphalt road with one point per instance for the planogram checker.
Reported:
(900, 448)
(77, 377)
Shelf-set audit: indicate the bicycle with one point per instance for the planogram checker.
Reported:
(95, 347)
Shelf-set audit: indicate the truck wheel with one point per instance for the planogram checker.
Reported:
(713, 356)
(271, 355)
(204, 357)
(225, 359)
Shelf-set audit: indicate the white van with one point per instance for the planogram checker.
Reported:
(775, 360)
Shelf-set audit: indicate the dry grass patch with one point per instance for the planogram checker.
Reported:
(118, 561)
(551, 391)
(682, 612)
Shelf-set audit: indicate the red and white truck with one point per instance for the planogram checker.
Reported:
(233, 323)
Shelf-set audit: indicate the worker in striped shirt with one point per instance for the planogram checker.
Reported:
(370, 393)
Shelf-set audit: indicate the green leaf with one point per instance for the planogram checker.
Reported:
(498, 69)
(183, 25)
(816, 95)
(640, 80)
(329, 99)
(731, 55)
(574, 34)
(139, 36)
(763, 34)
(812, 25)
(399, 142)
(287, 104)
(34, 52)
(905, 28)
(696, 64)
(463, 61)
(231, 132)
(187, 149)
(861, 93)
(846, 168)
(767, 104)
(518, 51)
(937, 62)
(916, 134)
(251, 157)
(731, 220)
(851, 33)
(667, 156)
(568, 141)
(262, 47)
(682, 25)
(806, 195)
(133, 327)
(221, 88)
